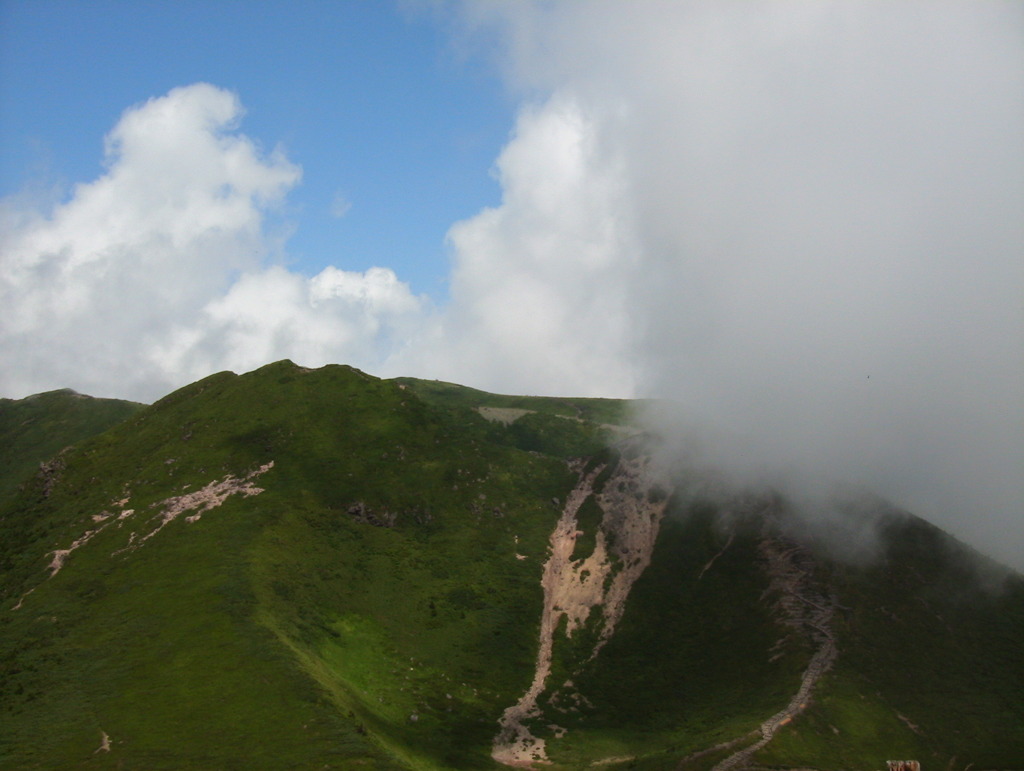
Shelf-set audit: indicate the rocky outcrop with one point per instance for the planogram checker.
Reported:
(50, 472)
(903, 765)
(363, 514)
(209, 497)
(504, 415)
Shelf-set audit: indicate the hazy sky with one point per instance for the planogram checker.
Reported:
(803, 222)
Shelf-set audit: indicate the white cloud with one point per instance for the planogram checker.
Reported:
(802, 196)
(154, 274)
(537, 300)
(273, 314)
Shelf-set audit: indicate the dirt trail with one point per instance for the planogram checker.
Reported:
(712, 561)
(808, 612)
(574, 588)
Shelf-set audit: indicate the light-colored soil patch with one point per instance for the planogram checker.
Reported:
(574, 588)
(21, 600)
(200, 501)
(515, 745)
(635, 521)
(206, 498)
(506, 415)
(60, 556)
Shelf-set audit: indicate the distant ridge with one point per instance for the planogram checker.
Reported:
(35, 428)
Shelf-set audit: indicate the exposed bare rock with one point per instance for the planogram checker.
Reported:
(573, 588)
(633, 516)
(51, 471)
(206, 498)
(200, 501)
(360, 512)
(505, 415)
(711, 561)
(515, 745)
(104, 743)
(60, 555)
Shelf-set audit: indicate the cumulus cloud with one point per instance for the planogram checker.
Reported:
(336, 316)
(163, 269)
(803, 226)
(537, 300)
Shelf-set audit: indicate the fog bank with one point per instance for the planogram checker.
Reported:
(820, 241)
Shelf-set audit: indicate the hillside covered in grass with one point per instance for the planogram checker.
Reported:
(34, 429)
(320, 569)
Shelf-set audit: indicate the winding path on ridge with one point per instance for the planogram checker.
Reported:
(808, 612)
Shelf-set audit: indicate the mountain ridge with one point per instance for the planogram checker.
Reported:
(380, 601)
(35, 428)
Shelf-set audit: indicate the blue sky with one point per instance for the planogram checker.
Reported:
(373, 100)
(799, 222)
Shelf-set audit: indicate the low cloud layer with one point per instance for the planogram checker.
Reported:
(801, 223)
(817, 231)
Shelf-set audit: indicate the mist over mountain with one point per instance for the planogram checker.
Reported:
(786, 237)
(298, 568)
(799, 223)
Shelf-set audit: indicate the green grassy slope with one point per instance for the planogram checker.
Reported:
(36, 428)
(292, 602)
(690, 665)
(931, 664)
(594, 410)
(377, 604)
